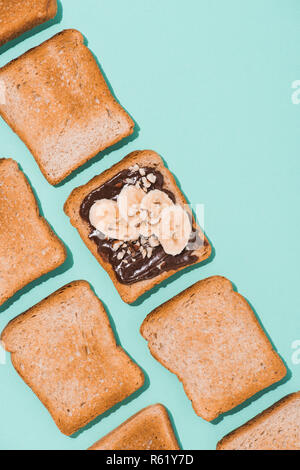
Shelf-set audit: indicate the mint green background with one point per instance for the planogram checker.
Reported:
(209, 84)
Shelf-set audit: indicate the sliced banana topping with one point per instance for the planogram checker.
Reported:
(175, 229)
(104, 215)
(129, 202)
(152, 216)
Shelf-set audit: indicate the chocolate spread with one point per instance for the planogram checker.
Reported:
(133, 267)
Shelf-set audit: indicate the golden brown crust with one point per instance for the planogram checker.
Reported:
(149, 429)
(28, 246)
(65, 351)
(17, 16)
(72, 206)
(229, 357)
(276, 428)
(58, 103)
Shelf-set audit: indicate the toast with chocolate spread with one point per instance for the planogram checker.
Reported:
(209, 336)
(28, 246)
(17, 17)
(277, 428)
(136, 222)
(149, 429)
(57, 101)
(65, 350)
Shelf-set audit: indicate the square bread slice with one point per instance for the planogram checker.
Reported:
(64, 349)
(149, 429)
(277, 428)
(210, 338)
(28, 246)
(159, 266)
(17, 17)
(57, 101)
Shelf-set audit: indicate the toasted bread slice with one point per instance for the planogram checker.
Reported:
(28, 246)
(149, 429)
(146, 158)
(64, 349)
(59, 104)
(210, 338)
(17, 17)
(277, 428)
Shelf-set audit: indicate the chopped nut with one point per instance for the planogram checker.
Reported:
(149, 252)
(116, 245)
(146, 183)
(143, 252)
(121, 255)
(129, 180)
(142, 172)
(132, 210)
(151, 177)
(153, 241)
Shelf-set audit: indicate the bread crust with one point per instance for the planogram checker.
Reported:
(149, 429)
(257, 434)
(18, 17)
(220, 371)
(58, 103)
(23, 259)
(65, 350)
(72, 206)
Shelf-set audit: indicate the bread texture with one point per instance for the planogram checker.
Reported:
(149, 429)
(59, 104)
(129, 293)
(210, 338)
(277, 428)
(28, 246)
(17, 17)
(64, 349)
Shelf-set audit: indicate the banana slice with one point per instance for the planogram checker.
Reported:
(154, 203)
(175, 229)
(104, 215)
(129, 201)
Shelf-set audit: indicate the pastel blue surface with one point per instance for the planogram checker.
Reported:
(209, 84)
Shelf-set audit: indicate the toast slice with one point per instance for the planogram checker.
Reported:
(277, 428)
(28, 246)
(154, 274)
(209, 337)
(64, 349)
(17, 17)
(59, 104)
(149, 429)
